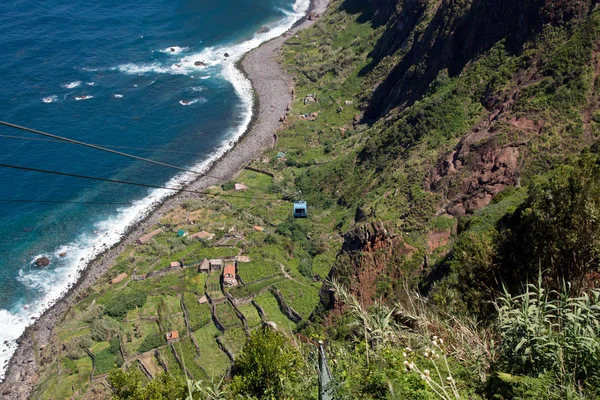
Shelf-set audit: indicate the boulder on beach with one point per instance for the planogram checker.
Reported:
(200, 64)
(42, 261)
(226, 54)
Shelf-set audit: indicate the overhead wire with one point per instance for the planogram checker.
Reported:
(45, 171)
(93, 146)
(104, 145)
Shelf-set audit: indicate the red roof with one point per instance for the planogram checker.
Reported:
(229, 269)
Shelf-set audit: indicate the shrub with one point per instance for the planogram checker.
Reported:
(267, 361)
(152, 341)
(228, 186)
(124, 301)
(104, 329)
(547, 331)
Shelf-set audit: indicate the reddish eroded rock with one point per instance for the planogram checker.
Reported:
(369, 253)
(436, 240)
(477, 169)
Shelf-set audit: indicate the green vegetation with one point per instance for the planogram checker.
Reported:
(227, 316)
(233, 340)
(198, 314)
(302, 298)
(267, 361)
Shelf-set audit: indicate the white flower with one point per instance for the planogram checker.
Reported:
(426, 355)
(426, 373)
(404, 355)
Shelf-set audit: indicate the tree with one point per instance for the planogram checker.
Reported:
(267, 361)
(559, 229)
(128, 386)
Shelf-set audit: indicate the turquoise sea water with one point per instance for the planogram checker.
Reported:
(111, 73)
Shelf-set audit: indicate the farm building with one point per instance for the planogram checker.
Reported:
(202, 300)
(175, 264)
(172, 337)
(229, 274)
(240, 186)
(146, 238)
(203, 235)
(118, 278)
(258, 228)
(215, 264)
(204, 266)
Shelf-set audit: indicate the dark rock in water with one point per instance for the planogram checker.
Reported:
(263, 29)
(63, 254)
(200, 64)
(42, 262)
(226, 54)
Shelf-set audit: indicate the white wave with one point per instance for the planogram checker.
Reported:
(118, 96)
(205, 77)
(190, 102)
(83, 97)
(55, 282)
(174, 50)
(72, 85)
(90, 83)
(197, 88)
(50, 99)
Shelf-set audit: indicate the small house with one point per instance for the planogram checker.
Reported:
(182, 233)
(229, 274)
(215, 264)
(204, 266)
(203, 235)
(146, 238)
(118, 278)
(300, 209)
(240, 186)
(172, 337)
(175, 264)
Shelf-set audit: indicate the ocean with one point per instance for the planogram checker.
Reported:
(148, 78)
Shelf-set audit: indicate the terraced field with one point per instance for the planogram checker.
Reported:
(272, 312)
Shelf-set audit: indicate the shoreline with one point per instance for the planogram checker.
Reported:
(270, 85)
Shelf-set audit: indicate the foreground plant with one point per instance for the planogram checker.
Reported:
(443, 384)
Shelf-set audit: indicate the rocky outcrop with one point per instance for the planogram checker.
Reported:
(370, 258)
(42, 261)
(478, 168)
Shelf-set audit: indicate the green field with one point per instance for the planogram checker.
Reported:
(269, 304)
(211, 358)
(251, 314)
(227, 316)
(234, 340)
(302, 298)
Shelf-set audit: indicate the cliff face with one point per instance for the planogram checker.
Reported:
(468, 98)
(454, 33)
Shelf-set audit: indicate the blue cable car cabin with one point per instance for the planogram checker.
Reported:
(300, 209)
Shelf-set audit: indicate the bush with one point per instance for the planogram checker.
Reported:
(267, 361)
(104, 329)
(228, 186)
(546, 331)
(123, 302)
(152, 341)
